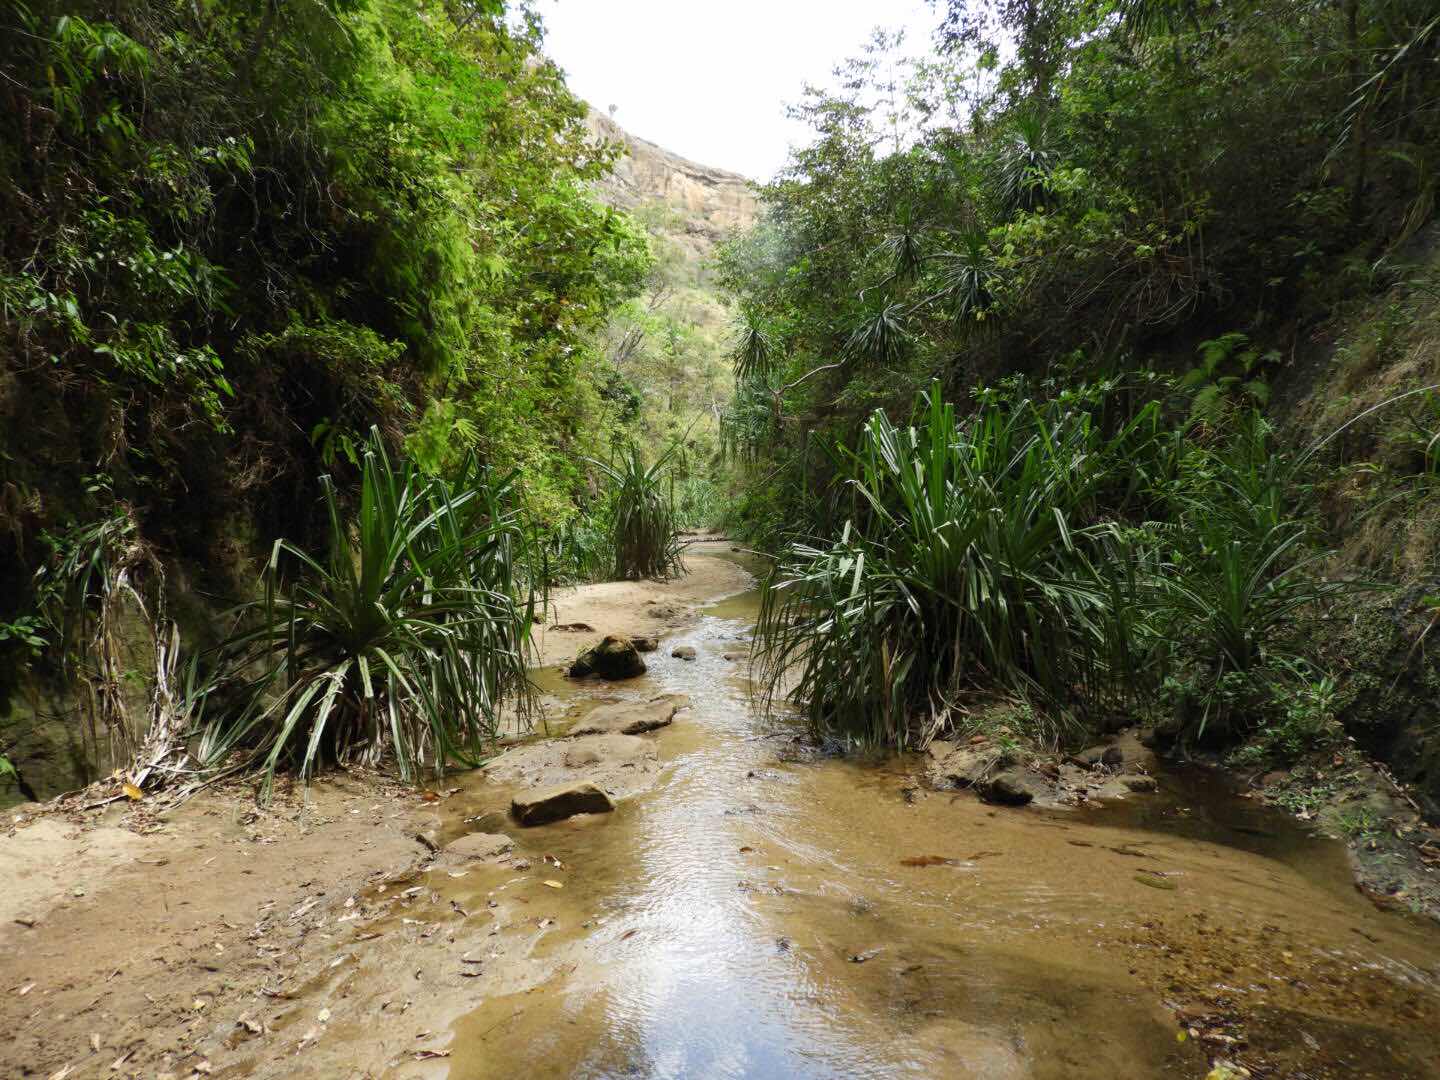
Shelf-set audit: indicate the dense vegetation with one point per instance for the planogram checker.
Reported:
(234, 238)
(1120, 239)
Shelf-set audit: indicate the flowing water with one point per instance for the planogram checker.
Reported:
(752, 915)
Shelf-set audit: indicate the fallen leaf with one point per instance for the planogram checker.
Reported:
(132, 792)
(553, 861)
(424, 1055)
(430, 796)
(629, 933)
(553, 884)
(743, 850)
(26, 989)
(926, 860)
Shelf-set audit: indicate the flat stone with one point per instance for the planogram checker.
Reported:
(542, 806)
(606, 749)
(630, 718)
(645, 643)
(480, 846)
(683, 652)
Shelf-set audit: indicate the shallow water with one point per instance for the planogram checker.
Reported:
(750, 916)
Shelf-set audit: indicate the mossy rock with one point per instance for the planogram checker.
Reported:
(614, 658)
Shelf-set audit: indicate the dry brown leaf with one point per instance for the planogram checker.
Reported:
(926, 860)
(553, 884)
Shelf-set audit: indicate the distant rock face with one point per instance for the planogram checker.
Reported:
(710, 203)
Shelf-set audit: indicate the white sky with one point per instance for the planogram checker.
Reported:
(710, 81)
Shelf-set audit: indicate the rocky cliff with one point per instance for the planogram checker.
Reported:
(704, 204)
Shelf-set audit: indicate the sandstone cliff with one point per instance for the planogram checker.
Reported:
(706, 204)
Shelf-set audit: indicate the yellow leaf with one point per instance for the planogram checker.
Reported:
(131, 791)
(554, 884)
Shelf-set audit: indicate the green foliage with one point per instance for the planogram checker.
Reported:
(966, 563)
(409, 636)
(644, 531)
(993, 554)
(1227, 378)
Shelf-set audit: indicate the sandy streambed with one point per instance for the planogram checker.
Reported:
(748, 910)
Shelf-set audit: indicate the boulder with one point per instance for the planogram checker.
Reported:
(1013, 787)
(614, 658)
(630, 718)
(1125, 751)
(479, 846)
(965, 766)
(645, 643)
(544, 805)
(683, 652)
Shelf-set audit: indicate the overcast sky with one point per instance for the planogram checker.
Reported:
(709, 80)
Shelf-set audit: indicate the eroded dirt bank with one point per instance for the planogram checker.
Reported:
(749, 909)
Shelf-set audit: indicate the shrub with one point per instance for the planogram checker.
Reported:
(967, 563)
(409, 636)
(644, 531)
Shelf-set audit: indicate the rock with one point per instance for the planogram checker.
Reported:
(1089, 758)
(1013, 787)
(733, 656)
(1124, 751)
(620, 751)
(683, 652)
(622, 765)
(966, 767)
(1137, 782)
(480, 846)
(645, 643)
(1277, 776)
(1135, 756)
(549, 804)
(614, 658)
(628, 718)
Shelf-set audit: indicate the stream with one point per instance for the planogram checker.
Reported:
(750, 916)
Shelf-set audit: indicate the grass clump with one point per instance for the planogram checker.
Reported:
(644, 528)
(407, 637)
(1054, 555)
(967, 565)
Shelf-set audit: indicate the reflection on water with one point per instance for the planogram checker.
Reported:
(750, 916)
